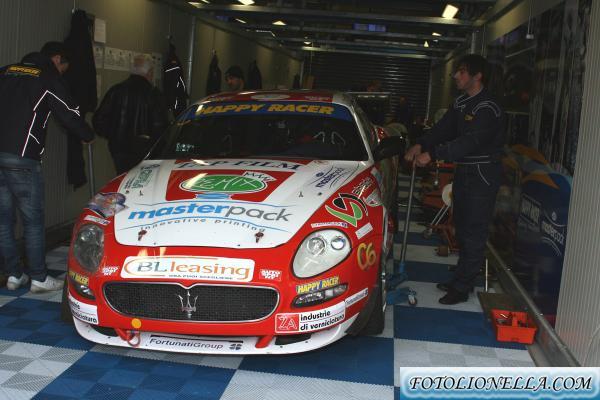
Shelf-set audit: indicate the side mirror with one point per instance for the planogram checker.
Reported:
(388, 147)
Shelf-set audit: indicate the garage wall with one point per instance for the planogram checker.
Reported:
(406, 77)
(578, 316)
(442, 85)
(136, 25)
(277, 68)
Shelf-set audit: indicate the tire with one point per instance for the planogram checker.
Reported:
(65, 310)
(376, 322)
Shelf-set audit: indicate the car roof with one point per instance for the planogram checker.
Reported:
(318, 96)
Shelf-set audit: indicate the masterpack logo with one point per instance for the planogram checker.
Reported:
(243, 211)
(248, 182)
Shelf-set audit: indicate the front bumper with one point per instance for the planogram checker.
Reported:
(244, 345)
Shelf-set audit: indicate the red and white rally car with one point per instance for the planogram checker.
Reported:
(259, 223)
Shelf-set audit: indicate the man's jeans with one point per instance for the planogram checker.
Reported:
(22, 188)
(474, 191)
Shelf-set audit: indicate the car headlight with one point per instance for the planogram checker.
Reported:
(320, 251)
(88, 247)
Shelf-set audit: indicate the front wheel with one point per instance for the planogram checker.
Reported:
(65, 310)
(376, 322)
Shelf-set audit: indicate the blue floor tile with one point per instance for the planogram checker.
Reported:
(147, 394)
(458, 327)
(36, 321)
(112, 392)
(68, 388)
(162, 382)
(357, 359)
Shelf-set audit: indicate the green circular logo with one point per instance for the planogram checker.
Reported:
(224, 184)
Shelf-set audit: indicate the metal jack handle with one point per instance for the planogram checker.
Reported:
(486, 275)
(91, 170)
(408, 209)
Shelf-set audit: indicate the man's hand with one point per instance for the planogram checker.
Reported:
(423, 159)
(412, 152)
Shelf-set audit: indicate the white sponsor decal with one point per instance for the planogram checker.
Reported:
(331, 177)
(317, 98)
(333, 223)
(97, 220)
(360, 233)
(174, 342)
(142, 178)
(83, 311)
(270, 96)
(270, 274)
(312, 320)
(362, 186)
(108, 271)
(373, 199)
(197, 268)
(356, 297)
(239, 163)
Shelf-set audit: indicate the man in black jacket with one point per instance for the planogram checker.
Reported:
(132, 115)
(29, 92)
(471, 134)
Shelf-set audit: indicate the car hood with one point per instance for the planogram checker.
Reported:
(236, 203)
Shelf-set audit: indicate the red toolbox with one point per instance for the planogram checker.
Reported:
(513, 326)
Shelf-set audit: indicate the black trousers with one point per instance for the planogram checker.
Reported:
(474, 189)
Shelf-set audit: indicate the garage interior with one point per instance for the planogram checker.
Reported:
(546, 76)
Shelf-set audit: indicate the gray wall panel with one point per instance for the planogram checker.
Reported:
(9, 22)
(277, 69)
(136, 25)
(578, 317)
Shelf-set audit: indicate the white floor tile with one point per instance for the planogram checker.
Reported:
(263, 386)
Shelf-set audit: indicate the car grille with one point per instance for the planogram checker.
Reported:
(214, 304)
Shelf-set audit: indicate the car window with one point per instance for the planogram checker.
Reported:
(240, 130)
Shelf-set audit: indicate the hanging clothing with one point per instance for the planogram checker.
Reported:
(213, 82)
(174, 87)
(254, 77)
(132, 116)
(296, 84)
(81, 80)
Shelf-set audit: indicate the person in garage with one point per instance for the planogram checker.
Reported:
(471, 134)
(29, 92)
(234, 76)
(132, 115)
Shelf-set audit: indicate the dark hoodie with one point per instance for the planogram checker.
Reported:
(29, 92)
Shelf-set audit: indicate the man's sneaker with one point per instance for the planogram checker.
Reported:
(49, 285)
(13, 283)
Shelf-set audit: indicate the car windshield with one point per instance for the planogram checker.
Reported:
(253, 129)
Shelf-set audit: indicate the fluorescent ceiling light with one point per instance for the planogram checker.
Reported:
(426, 44)
(279, 22)
(197, 4)
(436, 34)
(241, 21)
(246, 2)
(450, 11)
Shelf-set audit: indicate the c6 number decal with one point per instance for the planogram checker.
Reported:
(365, 256)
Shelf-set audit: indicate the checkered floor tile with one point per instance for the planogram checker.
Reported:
(44, 358)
